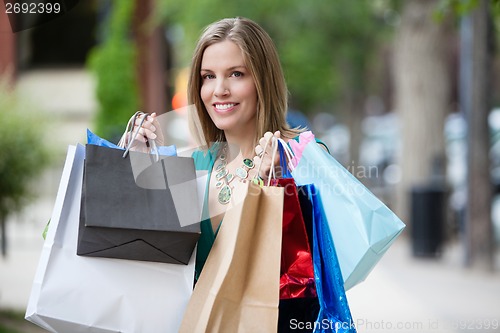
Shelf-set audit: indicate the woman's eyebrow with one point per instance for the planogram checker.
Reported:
(227, 69)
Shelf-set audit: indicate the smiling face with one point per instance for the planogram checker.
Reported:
(228, 90)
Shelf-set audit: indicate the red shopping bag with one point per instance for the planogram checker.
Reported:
(297, 272)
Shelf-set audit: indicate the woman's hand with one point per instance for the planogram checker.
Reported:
(264, 150)
(150, 130)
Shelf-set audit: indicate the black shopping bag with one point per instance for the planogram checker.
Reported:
(138, 208)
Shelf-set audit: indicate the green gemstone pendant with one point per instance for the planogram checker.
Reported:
(258, 181)
(221, 166)
(248, 163)
(221, 174)
(242, 173)
(225, 195)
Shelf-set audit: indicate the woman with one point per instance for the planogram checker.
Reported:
(239, 92)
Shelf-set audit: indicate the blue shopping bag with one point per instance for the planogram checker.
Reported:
(94, 139)
(334, 314)
(362, 226)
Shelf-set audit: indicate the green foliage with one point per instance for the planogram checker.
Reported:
(455, 7)
(325, 46)
(7, 330)
(23, 154)
(12, 321)
(113, 63)
(460, 8)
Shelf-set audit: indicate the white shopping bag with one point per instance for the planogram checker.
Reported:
(73, 294)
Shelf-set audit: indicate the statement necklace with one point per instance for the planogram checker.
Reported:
(224, 178)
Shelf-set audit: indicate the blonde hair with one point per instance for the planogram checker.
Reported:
(263, 62)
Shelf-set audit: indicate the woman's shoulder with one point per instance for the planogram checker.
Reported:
(203, 158)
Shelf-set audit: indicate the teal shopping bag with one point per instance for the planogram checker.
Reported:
(362, 226)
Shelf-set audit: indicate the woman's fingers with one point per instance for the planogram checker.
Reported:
(147, 129)
(264, 151)
(266, 143)
(146, 133)
(259, 151)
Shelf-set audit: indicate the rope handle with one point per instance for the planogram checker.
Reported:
(286, 156)
(261, 159)
(129, 134)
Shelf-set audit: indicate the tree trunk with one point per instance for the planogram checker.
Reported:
(7, 50)
(353, 95)
(476, 106)
(151, 61)
(422, 97)
(4, 235)
(356, 114)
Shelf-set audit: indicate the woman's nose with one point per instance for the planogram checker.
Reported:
(221, 88)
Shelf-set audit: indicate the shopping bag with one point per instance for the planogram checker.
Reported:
(296, 273)
(71, 293)
(334, 313)
(238, 289)
(302, 307)
(299, 314)
(362, 227)
(137, 208)
(94, 139)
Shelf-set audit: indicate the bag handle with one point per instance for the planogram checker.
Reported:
(257, 178)
(128, 134)
(286, 156)
(272, 171)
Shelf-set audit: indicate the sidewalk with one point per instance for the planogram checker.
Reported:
(402, 294)
(408, 294)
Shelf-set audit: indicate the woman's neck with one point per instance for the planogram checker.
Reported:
(244, 144)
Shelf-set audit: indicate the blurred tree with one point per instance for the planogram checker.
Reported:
(422, 95)
(8, 52)
(477, 52)
(113, 62)
(153, 59)
(327, 48)
(23, 154)
(476, 98)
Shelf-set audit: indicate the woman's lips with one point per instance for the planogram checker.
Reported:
(224, 107)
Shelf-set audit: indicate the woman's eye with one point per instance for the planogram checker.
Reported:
(208, 76)
(237, 74)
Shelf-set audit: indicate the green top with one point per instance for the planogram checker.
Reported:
(205, 161)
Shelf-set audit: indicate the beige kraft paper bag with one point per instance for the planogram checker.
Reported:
(238, 289)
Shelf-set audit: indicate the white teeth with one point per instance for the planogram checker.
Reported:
(223, 106)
